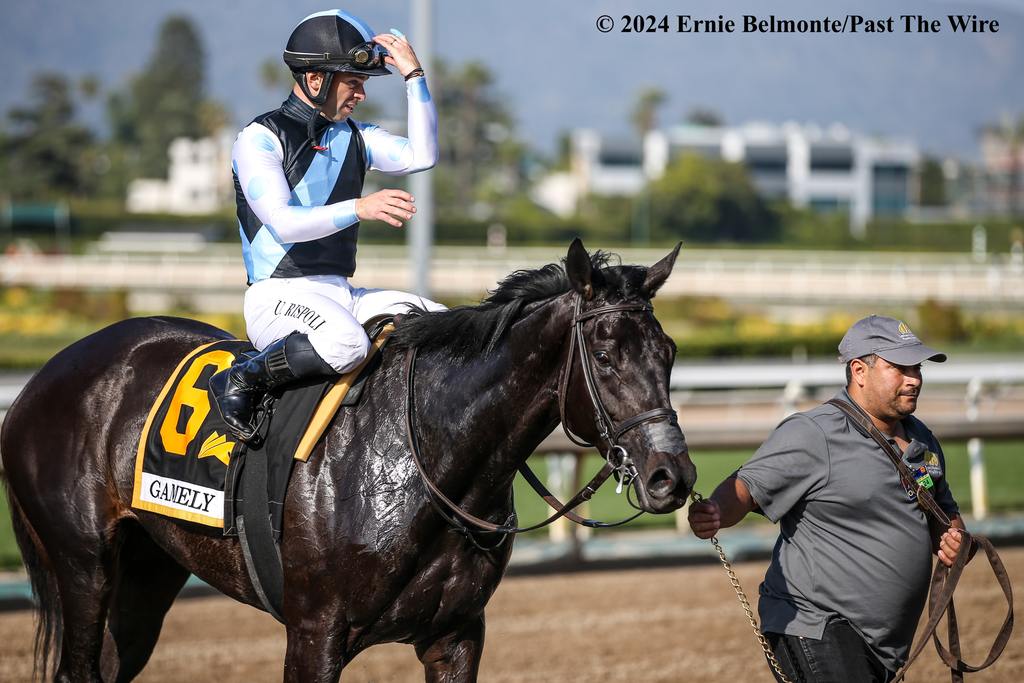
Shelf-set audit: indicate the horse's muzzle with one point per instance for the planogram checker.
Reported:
(666, 474)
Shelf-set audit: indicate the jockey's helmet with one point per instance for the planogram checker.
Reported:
(330, 41)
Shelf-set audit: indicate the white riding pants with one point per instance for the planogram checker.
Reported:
(327, 309)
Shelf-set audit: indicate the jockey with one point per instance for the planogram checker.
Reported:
(298, 173)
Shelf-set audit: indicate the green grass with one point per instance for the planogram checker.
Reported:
(1002, 459)
(9, 555)
(31, 353)
(1002, 463)
(1005, 477)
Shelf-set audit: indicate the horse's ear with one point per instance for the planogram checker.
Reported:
(659, 272)
(580, 270)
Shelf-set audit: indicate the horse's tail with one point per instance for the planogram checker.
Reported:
(44, 589)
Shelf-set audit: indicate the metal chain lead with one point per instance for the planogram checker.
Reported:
(734, 580)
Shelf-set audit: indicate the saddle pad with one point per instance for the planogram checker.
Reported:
(185, 447)
(184, 465)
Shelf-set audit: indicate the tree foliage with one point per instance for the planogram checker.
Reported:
(46, 154)
(704, 116)
(709, 200)
(275, 75)
(645, 111)
(933, 183)
(166, 99)
(478, 154)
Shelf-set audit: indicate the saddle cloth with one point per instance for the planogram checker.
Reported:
(183, 465)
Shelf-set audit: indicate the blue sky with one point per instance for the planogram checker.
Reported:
(556, 71)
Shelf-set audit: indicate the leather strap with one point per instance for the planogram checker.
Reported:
(649, 416)
(607, 429)
(436, 494)
(944, 579)
(262, 555)
(609, 432)
(556, 504)
(868, 428)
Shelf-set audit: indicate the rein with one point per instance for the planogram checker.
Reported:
(609, 433)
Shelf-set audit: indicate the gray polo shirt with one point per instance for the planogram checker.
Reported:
(852, 542)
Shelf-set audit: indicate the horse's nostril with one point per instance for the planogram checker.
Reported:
(661, 483)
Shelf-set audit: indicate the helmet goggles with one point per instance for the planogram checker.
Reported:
(364, 57)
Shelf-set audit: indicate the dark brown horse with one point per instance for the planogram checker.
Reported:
(367, 556)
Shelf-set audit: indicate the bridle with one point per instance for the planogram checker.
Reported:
(617, 460)
(608, 431)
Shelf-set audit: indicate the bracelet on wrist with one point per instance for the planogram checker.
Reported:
(418, 71)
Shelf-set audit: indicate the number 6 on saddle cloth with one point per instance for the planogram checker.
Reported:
(188, 464)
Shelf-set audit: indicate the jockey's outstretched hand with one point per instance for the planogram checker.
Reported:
(391, 206)
(400, 52)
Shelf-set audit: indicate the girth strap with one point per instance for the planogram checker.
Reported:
(255, 535)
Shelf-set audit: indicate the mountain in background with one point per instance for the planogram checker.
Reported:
(559, 72)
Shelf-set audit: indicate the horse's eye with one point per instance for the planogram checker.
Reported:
(602, 358)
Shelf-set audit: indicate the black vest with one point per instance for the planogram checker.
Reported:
(331, 255)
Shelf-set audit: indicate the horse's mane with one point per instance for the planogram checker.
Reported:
(465, 331)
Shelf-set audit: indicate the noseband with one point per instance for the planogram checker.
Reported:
(608, 431)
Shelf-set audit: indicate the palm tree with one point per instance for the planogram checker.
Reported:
(645, 112)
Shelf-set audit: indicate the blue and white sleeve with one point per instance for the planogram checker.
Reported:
(257, 158)
(395, 155)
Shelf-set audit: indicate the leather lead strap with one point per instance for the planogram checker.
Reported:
(944, 579)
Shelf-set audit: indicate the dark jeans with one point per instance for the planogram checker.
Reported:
(841, 656)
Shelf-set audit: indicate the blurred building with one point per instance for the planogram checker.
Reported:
(598, 164)
(198, 179)
(1002, 159)
(831, 169)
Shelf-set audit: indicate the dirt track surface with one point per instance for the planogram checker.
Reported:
(676, 624)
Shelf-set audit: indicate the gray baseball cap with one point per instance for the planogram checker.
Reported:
(888, 338)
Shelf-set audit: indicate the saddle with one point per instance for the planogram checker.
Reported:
(189, 467)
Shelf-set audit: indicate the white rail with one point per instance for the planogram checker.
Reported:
(778, 277)
(977, 399)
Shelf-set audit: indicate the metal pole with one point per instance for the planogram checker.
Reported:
(62, 224)
(976, 454)
(421, 228)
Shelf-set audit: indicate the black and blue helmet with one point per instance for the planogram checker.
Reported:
(334, 40)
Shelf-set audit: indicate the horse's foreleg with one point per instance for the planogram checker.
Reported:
(148, 582)
(455, 656)
(315, 654)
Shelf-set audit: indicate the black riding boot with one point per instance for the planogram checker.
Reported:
(239, 389)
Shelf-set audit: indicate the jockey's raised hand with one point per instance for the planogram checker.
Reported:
(400, 53)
